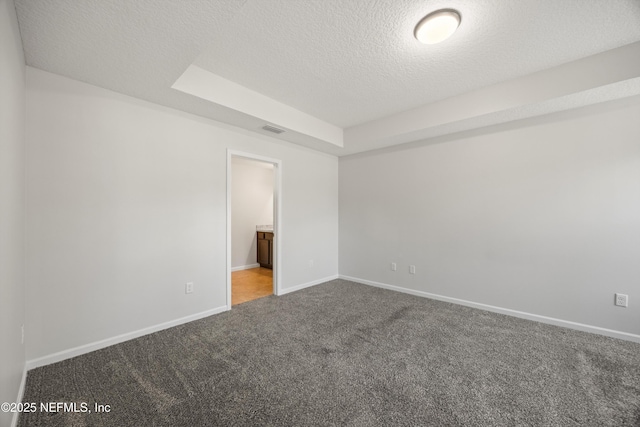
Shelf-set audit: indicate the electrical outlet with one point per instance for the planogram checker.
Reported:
(22, 332)
(622, 300)
(188, 288)
(394, 266)
(310, 263)
(412, 269)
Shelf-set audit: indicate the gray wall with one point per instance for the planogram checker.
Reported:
(541, 216)
(12, 125)
(126, 202)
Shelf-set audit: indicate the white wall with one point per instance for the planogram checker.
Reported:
(251, 205)
(126, 203)
(12, 122)
(541, 216)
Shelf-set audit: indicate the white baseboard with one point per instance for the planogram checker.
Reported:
(87, 348)
(308, 284)
(23, 381)
(521, 314)
(245, 267)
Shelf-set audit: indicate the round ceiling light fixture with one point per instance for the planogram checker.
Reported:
(437, 26)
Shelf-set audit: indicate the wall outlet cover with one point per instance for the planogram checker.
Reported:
(622, 300)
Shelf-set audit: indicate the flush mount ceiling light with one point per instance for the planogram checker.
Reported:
(437, 26)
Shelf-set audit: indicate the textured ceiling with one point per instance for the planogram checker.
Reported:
(352, 64)
(349, 62)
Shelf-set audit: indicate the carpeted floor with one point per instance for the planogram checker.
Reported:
(342, 353)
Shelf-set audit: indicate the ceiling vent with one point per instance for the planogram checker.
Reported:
(273, 129)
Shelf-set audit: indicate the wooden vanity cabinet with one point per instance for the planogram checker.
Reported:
(265, 249)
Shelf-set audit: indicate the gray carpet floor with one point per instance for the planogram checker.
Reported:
(342, 353)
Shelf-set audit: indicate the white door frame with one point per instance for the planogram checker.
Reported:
(277, 226)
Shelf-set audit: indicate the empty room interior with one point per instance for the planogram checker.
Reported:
(290, 213)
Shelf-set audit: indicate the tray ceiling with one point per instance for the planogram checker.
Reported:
(343, 76)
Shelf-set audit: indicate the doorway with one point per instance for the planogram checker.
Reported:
(253, 227)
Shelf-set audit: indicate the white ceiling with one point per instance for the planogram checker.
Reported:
(346, 76)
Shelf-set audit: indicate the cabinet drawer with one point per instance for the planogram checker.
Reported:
(265, 235)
